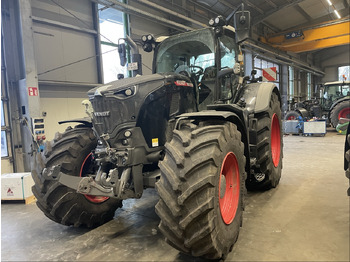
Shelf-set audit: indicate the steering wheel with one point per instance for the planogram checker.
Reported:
(199, 72)
(186, 70)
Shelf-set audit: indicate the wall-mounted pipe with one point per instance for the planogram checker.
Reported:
(166, 10)
(132, 10)
(283, 57)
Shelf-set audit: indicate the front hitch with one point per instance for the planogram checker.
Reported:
(108, 186)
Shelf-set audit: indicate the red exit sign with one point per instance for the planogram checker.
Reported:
(33, 91)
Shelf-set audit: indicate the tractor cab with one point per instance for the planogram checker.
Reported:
(333, 91)
(206, 58)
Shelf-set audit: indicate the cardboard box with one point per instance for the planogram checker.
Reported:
(315, 127)
(16, 186)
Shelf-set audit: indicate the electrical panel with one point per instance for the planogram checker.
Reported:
(38, 129)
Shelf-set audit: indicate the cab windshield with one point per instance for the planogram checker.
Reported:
(337, 90)
(188, 52)
(333, 92)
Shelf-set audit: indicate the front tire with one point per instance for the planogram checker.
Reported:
(202, 189)
(72, 150)
(341, 110)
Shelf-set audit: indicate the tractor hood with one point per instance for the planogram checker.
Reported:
(123, 84)
(147, 102)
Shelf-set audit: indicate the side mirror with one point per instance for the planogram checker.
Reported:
(122, 54)
(242, 25)
(321, 93)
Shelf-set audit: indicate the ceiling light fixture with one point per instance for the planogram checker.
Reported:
(337, 14)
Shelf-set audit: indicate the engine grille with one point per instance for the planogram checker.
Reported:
(108, 114)
(174, 103)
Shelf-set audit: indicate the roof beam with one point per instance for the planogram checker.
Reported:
(321, 44)
(264, 16)
(224, 2)
(272, 3)
(254, 6)
(323, 36)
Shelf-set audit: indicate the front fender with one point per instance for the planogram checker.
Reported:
(258, 95)
(86, 121)
(346, 98)
(303, 112)
(231, 113)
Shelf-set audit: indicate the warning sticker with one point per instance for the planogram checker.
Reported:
(270, 74)
(10, 192)
(155, 142)
(33, 91)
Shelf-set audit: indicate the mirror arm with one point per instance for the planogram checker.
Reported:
(132, 44)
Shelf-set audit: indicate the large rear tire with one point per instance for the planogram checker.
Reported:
(202, 189)
(269, 147)
(72, 150)
(341, 110)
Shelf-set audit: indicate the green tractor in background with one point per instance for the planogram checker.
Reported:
(333, 104)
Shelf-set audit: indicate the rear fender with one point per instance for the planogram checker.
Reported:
(232, 113)
(258, 95)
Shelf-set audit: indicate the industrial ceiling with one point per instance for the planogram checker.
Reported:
(320, 23)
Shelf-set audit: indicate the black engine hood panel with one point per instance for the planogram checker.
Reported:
(145, 101)
(122, 84)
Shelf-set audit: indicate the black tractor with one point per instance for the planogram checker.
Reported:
(196, 129)
(332, 104)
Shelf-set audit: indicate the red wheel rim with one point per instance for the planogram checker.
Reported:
(275, 140)
(229, 187)
(291, 118)
(344, 113)
(84, 166)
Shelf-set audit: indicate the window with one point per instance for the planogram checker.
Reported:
(309, 84)
(291, 82)
(186, 52)
(4, 150)
(344, 71)
(111, 29)
(227, 52)
(260, 64)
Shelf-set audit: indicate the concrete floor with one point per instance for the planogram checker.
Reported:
(306, 218)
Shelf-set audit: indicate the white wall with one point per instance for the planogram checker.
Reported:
(140, 26)
(62, 104)
(56, 46)
(6, 166)
(330, 59)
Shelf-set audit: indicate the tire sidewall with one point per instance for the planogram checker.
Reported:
(336, 110)
(275, 171)
(229, 233)
(59, 202)
(78, 162)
